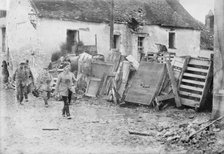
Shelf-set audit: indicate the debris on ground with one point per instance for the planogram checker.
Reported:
(191, 135)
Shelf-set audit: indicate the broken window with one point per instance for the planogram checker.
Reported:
(140, 44)
(116, 41)
(72, 39)
(172, 40)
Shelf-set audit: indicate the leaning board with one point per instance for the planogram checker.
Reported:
(146, 83)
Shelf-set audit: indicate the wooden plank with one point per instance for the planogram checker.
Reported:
(218, 105)
(207, 85)
(184, 67)
(194, 61)
(178, 64)
(93, 87)
(194, 75)
(193, 82)
(165, 97)
(173, 84)
(190, 94)
(146, 83)
(197, 69)
(100, 68)
(191, 88)
(114, 58)
(189, 102)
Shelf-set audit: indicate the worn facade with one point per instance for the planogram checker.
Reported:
(36, 29)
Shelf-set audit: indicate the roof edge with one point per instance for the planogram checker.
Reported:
(34, 7)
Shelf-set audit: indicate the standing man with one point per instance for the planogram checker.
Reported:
(5, 74)
(20, 77)
(65, 87)
(30, 80)
(44, 85)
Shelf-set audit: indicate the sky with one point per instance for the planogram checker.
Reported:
(198, 8)
(3, 4)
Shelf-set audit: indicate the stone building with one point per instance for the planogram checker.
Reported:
(37, 28)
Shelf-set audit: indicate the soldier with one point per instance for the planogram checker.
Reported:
(30, 80)
(20, 77)
(5, 73)
(65, 88)
(44, 85)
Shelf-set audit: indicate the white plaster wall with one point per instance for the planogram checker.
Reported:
(21, 35)
(23, 38)
(126, 44)
(53, 33)
(187, 41)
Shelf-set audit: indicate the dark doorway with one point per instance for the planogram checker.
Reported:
(116, 41)
(3, 39)
(72, 39)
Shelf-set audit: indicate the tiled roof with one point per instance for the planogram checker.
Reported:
(151, 12)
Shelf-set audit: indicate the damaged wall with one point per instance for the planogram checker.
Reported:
(35, 42)
(187, 41)
(53, 33)
(22, 36)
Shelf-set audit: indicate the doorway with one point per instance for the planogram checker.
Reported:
(116, 41)
(72, 39)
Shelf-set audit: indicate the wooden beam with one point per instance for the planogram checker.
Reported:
(173, 84)
(218, 78)
(112, 25)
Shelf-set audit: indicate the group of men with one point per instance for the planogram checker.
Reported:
(65, 86)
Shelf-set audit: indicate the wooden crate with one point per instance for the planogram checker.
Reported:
(165, 56)
(195, 82)
(151, 56)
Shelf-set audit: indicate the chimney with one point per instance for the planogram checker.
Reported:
(209, 21)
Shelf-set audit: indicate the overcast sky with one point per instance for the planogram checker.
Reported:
(198, 8)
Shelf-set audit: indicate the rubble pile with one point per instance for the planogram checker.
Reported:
(182, 135)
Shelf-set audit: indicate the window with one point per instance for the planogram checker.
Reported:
(116, 41)
(3, 39)
(172, 40)
(2, 13)
(140, 44)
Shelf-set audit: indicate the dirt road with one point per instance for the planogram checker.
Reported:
(96, 126)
